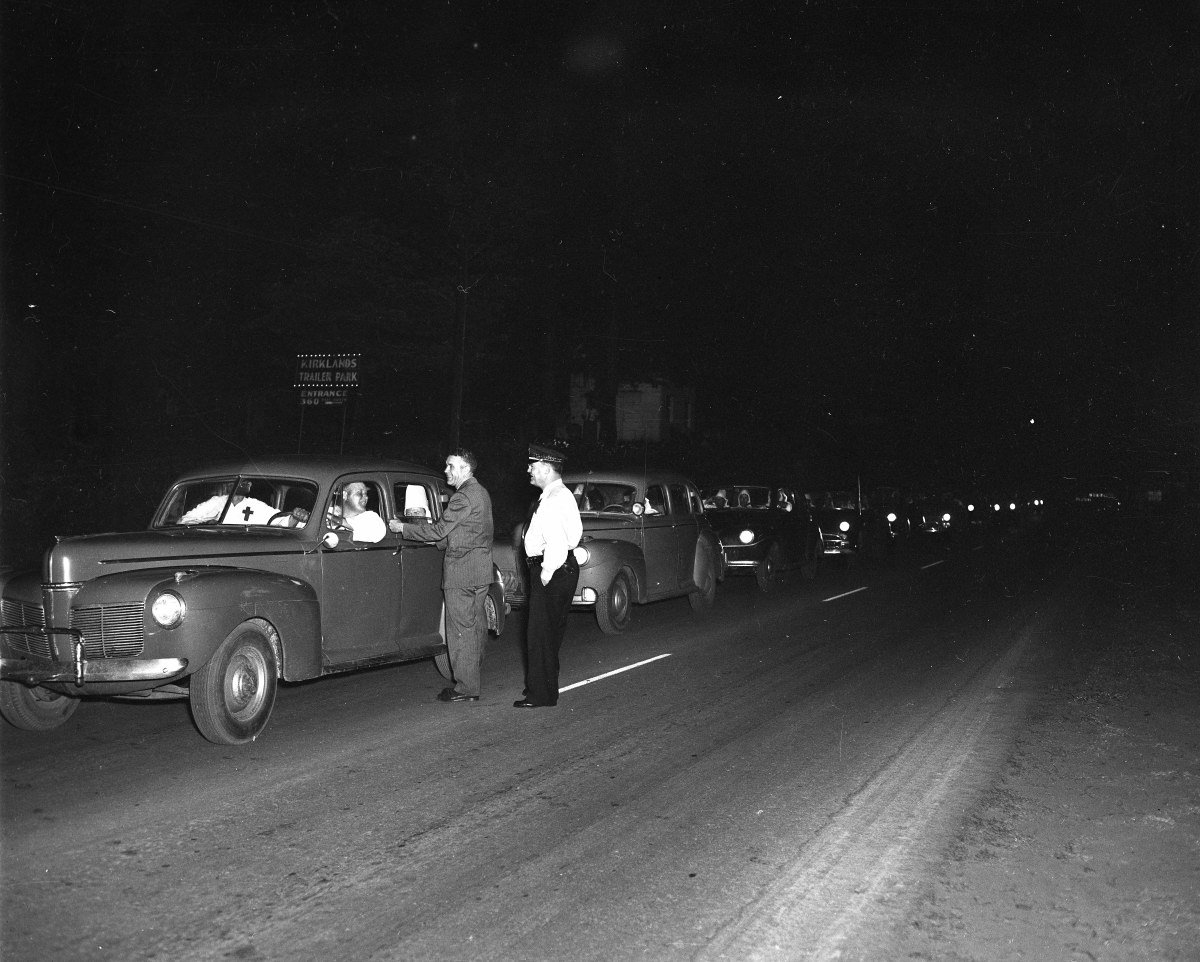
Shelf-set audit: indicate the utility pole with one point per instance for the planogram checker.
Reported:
(460, 361)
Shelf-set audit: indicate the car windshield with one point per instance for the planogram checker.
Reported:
(240, 500)
(597, 496)
(839, 501)
(738, 496)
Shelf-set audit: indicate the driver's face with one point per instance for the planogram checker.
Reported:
(356, 497)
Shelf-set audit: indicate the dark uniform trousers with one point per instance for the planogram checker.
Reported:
(548, 608)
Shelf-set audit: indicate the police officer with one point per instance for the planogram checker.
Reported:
(551, 537)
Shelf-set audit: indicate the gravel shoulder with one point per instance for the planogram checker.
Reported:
(1087, 843)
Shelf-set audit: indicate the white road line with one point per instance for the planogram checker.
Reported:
(615, 671)
(845, 594)
(933, 564)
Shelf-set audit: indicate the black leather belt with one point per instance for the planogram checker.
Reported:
(535, 560)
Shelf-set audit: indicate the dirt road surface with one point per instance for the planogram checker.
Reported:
(986, 754)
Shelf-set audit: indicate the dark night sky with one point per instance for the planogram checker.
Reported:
(912, 230)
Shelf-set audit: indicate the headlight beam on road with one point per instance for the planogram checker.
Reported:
(615, 671)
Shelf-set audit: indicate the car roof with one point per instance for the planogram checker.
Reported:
(307, 466)
(636, 477)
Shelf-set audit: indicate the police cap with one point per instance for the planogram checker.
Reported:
(552, 456)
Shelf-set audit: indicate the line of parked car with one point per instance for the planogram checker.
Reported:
(250, 573)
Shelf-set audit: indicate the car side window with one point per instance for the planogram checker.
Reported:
(413, 501)
(656, 502)
(694, 500)
(679, 499)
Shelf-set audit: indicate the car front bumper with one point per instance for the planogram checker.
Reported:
(80, 670)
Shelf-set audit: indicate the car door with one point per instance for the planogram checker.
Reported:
(660, 543)
(684, 531)
(361, 586)
(419, 618)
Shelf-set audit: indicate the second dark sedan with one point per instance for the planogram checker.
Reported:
(766, 531)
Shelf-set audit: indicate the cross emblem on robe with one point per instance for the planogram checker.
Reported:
(246, 512)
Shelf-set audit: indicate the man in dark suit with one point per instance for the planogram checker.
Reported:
(465, 531)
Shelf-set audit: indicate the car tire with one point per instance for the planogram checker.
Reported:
(705, 594)
(767, 573)
(614, 607)
(34, 709)
(491, 608)
(233, 693)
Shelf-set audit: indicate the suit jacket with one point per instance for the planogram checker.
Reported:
(465, 531)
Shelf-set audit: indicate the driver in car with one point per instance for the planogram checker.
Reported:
(242, 510)
(364, 525)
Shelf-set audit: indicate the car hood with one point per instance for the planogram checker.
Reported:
(82, 558)
(724, 518)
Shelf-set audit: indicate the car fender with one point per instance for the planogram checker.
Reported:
(607, 557)
(217, 600)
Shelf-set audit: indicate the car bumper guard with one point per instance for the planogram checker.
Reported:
(32, 670)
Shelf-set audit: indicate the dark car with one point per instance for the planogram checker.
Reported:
(766, 530)
(645, 538)
(247, 575)
(942, 517)
(839, 515)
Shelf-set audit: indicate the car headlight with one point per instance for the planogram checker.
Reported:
(582, 555)
(891, 517)
(168, 609)
(746, 536)
(844, 526)
(946, 518)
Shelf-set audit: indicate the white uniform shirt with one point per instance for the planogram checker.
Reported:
(367, 526)
(555, 528)
(246, 511)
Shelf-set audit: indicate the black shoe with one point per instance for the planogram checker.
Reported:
(449, 694)
(526, 703)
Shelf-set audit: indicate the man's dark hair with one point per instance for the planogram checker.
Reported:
(467, 456)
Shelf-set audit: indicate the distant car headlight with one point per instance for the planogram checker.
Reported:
(970, 507)
(891, 516)
(1012, 506)
(746, 536)
(946, 517)
(582, 555)
(168, 609)
(843, 526)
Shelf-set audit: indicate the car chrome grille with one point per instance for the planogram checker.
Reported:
(114, 632)
(24, 643)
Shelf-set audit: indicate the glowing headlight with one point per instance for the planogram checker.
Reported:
(891, 517)
(970, 507)
(168, 609)
(844, 526)
(1012, 506)
(746, 536)
(946, 518)
(582, 555)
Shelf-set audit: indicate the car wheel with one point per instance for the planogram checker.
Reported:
(35, 709)
(233, 694)
(615, 606)
(492, 608)
(702, 598)
(767, 573)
